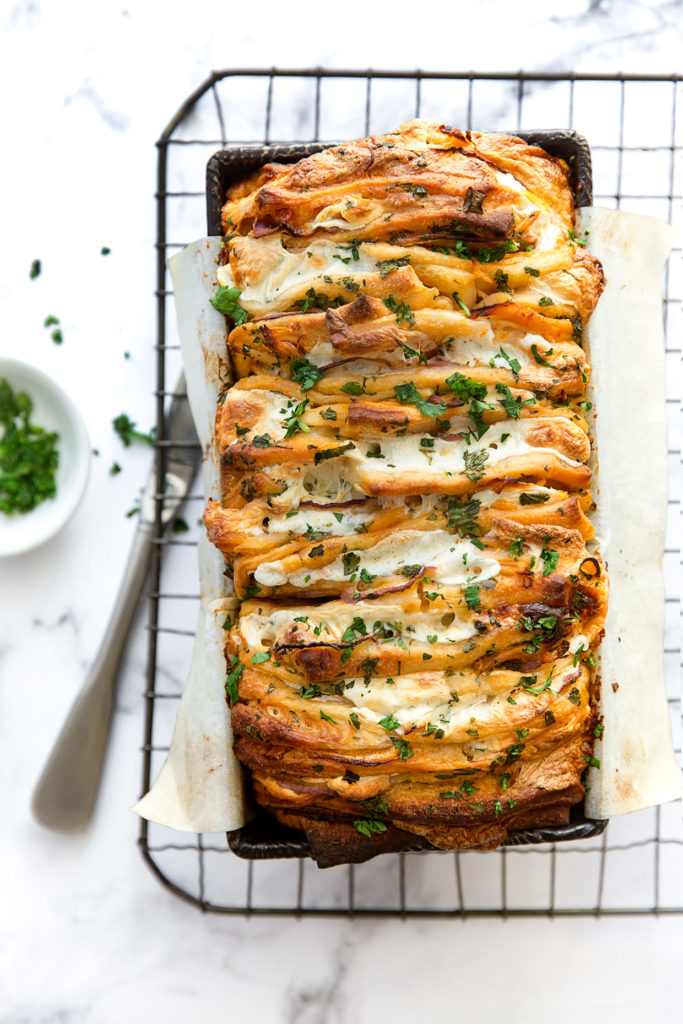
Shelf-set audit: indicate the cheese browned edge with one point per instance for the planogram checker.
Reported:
(405, 491)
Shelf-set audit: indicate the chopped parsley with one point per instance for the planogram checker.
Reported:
(513, 363)
(225, 301)
(458, 301)
(125, 428)
(318, 300)
(533, 498)
(511, 404)
(501, 280)
(308, 692)
(465, 387)
(539, 358)
(404, 749)
(332, 453)
(369, 826)
(550, 559)
(263, 441)
(357, 626)
(260, 657)
(462, 516)
(386, 266)
(408, 393)
(401, 310)
(294, 423)
(352, 387)
(305, 374)
(389, 722)
(235, 671)
(474, 463)
(517, 548)
(28, 454)
(574, 239)
(351, 562)
(497, 253)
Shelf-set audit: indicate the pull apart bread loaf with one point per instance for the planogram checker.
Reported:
(405, 488)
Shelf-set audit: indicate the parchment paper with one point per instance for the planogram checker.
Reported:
(625, 339)
(199, 788)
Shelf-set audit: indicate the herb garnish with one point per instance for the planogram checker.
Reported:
(352, 387)
(408, 393)
(404, 749)
(539, 358)
(533, 498)
(305, 374)
(225, 301)
(474, 463)
(462, 516)
(501, 280)
(294, 423)
(551, 559)
(511, 404)
(28, 454)
(386, 266)
(332, 453)
(351, 562)
(308, 692)
(513, 363)
(235, 671)
(389, 722)
(125, 428)
(402, 311)
(497, 253)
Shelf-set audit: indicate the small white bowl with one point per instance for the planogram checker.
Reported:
(54, 410)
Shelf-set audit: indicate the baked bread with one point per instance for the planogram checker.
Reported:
(405, 489)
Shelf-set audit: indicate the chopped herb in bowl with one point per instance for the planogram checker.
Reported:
(28, 454)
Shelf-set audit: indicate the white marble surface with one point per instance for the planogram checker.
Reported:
(87, 933)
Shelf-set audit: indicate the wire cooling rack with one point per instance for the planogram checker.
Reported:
(633, 124)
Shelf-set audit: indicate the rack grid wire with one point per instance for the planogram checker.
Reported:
(633, 125)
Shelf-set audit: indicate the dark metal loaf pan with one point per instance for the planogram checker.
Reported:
(264, 838)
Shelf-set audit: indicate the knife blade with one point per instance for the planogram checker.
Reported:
(65, 794)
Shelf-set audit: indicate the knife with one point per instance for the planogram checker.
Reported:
(65, 795)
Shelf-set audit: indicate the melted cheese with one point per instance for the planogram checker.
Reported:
(451, 561)
(405, 454)
(415, 700)
(318, 520)
(261, 631)
(295, 272)
(274, 410)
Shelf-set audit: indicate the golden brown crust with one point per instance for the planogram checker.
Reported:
(405, 473)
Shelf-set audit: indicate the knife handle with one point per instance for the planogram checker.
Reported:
(65, 794)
